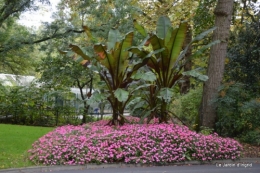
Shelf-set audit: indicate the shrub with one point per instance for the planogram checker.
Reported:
(131, 143)
(187, 107)
(238, 112)
(251, 137)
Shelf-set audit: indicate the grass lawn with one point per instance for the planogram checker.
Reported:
(15, 140)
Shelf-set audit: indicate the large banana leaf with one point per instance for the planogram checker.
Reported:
(140, 28)
(115, 59)
(82, 56)
(122, 56)
(113, 38)
(83, 53)
(172, 41)
(163, 26)
(175, 46)
(105, 58)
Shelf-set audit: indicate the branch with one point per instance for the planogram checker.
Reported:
(55, 35)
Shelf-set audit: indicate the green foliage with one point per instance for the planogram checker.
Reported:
(204, 16)
(147, 76)
(166, 94)
(115, 67)
(186, 107)
(251, 137)
(121, 95)
(166, 52)
(238, 103)
(194, 73)
(206, 130)
(164, 61)
(16, 51)
(59, 72)
(238, 111)
(244, 57)
(15, 58)
(36, 106)
(101, 16)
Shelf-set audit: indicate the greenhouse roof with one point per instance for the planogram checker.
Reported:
(16, 80)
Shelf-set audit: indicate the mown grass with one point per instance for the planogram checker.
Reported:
(15, 140)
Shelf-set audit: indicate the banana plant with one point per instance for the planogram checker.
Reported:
(115, 67)
(167, 63)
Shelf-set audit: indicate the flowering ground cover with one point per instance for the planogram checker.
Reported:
(131, 143)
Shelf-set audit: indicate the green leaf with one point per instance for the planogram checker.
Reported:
(137, 75)
(137, 51)
(121, 55)
(163, 24)
(166, 94)
(97, 98)
(155, 52)
(140, 28)
(203, 34)
(87, 31)
(194, 73)
(144, 54)
(105, 58)
(176, 43)
(156, 42)
(141, 86)
(147, 76)
(121, 95)
(201, 50)
(147, 113)
(113, 37)
(84, 54)
(134, 101)
(197, 38)
(187, 156)
(139, 104)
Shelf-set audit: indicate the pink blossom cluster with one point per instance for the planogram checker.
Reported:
(131, 143)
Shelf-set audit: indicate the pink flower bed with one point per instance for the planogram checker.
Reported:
(131, 143)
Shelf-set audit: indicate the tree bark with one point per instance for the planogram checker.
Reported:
(223, 14)
(185, 85)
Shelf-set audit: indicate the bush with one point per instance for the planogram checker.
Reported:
(35, 106)
(131, 143)
(187, 107)
(251, 137)
(238, 112)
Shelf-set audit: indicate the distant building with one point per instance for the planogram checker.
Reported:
(16, 80)
(19, 80)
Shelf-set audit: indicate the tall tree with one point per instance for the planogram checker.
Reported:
(223, 15)
(14, 56)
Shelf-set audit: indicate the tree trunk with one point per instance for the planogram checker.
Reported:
(185, 85)
(163, 118)
(223, 14)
